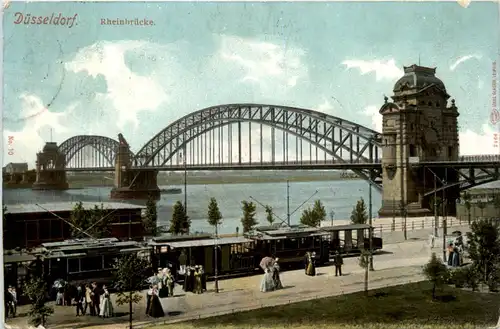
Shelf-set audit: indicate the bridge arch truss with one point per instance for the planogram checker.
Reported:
(101, 151)
(212, 137)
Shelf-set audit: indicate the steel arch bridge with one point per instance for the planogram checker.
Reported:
(213, 137)
(103, 151)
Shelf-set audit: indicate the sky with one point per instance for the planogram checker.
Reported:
(339, 58)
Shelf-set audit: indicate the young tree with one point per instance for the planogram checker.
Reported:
(481, 205)
(180, 223)
(98, 222)
(36, 290)
(484, 246)
(150, 220)
(436, 272)
(269, 215)
(466, 197)
(319, 211)
(313, 217)
(359, 215)
(214, 214)
(131, 272)
(79, 219)
(248, 220)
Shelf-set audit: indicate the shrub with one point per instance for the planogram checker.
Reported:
(472, 277)
(459, 277)
(494, 279)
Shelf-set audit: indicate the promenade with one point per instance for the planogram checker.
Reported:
(400, 262)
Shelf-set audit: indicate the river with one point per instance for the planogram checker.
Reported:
(337, 196)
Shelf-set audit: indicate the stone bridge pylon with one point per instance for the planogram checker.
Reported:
(50, 169)
(129, 184)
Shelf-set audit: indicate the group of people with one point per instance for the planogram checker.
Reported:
(454, 255)
(165, 282)
(310, 263)
(271, 280)
(97, 299)
(195, 279)
(10, 299)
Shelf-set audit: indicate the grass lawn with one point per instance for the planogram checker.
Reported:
(406, 306)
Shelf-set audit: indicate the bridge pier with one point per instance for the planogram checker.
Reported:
(50, 173)
(418, 126)
(132, 184)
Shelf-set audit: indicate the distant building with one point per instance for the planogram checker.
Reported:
(15, 168)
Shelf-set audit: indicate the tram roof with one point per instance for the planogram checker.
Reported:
(26, 208)
(345, 227)
(79, 244)
(203, 242)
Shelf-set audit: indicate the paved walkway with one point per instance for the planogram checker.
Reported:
(399, 263)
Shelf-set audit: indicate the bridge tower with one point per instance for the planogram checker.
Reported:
(418, 126)
(50, 169)
(130, 183)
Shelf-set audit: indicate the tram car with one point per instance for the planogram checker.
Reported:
(236, 255)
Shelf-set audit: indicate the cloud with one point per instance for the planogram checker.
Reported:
(128, 93)
(40, 125)
(375, 116)
(383, 70)
(325, 107)
(463, 59)
(263, 63)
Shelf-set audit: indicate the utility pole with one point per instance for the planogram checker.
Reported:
(370, 221)
(216, 248)
(436, 220)
(185, 181)
(288, 202)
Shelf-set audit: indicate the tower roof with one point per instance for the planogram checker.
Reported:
(417, 78)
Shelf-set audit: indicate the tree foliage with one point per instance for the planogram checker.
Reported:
(269, 215)
(214, 214)
(36, 290)
(484, 246)
(150, 219)
(92, 221)
(313, 217)
(248, 220)
(180, 222)
(131, 272)
(436, 272)
(481, 205)
(359, 214)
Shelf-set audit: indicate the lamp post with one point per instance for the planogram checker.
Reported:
(216, 248)
(288, 203)
(371, 223)
(444, 223)
(332, 214)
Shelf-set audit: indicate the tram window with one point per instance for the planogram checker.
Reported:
(45, 233)
(91, 263)
(291, 244)
(164, 249)
(56, 229)
(109, 261)
(31, 230)
(73, 265)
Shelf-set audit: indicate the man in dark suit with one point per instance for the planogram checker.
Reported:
(80, 297)
(338, 262)
(96, 298)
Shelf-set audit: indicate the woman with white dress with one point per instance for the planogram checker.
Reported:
(105, 304)
(267, 283)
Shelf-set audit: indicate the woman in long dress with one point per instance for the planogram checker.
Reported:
(198, 289)
(170, 284)
(311, 267)
(276, 275)
(155, 310)
(106, 306)
(163, 289)
(267, 283)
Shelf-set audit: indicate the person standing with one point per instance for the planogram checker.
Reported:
(170, 284)
(149, 294)
(311, 266)
(155, 310)
(14, 301)
(276, 275)
(80, 298)
(338, 262)
(96, 299)
(182, 262)
(198, 289)
(8, 302)
(106, 305)
(88, 300)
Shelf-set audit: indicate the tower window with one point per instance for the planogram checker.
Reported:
(450, 151)
(437, 104)
(430, 103)
(413, 150)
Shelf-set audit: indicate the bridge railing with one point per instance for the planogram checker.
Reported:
(479, 158)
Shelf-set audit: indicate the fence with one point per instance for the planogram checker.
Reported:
(416, 224)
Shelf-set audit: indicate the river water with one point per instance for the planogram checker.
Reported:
(337, 196)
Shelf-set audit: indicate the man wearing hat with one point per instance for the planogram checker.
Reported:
(338, 262)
